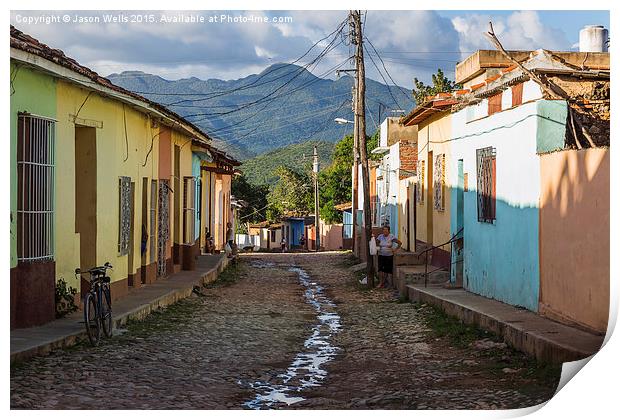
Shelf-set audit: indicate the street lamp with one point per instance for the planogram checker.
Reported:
(342, 121)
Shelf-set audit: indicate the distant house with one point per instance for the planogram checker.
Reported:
(293, 228)
(347, 224)
(274, 236)
(395, 176)
(100, 174)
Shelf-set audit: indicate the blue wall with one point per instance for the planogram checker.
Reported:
(501, 259)
(296, 230)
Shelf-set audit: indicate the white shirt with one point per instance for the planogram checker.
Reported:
(385, 244)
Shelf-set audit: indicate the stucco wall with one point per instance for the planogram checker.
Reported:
(574, 236)
(25, 83)
(123, 138)
(501, 259)
(331, 236)
(434, 135)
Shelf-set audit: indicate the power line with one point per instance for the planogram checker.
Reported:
(288, 94)
(273, 92)
(337, 30)
(382, 63)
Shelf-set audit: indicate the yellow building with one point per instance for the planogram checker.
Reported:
(121, 184)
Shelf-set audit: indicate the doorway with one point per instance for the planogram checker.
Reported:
(457, 253)
(132, 237)
(86, 198)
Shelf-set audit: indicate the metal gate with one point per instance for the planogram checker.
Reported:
(164, 226)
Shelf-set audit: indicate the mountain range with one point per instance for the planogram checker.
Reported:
(283, 105)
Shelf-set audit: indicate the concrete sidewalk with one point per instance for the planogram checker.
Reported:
(524, 330)
(29, 342)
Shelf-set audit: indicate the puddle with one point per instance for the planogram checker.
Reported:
(306, 369)
(261, 264)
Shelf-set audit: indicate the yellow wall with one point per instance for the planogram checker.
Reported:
(432, 136)
(116, 158)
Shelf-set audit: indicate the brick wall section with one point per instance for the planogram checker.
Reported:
(408, 158)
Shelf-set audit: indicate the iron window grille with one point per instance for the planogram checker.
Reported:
(125, 207)
(163, 217)
(35, 188)
(153, 220)
(420, 189)
(486, 174)
(439, 173)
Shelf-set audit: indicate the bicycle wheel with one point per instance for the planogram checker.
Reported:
(106, 311)
(91, 319)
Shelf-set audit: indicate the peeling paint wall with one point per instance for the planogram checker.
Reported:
(501, 259)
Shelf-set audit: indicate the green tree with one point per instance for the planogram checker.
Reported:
(440, 84)
(292, 194)
(254, 195)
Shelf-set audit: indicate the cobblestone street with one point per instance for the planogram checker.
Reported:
(266, 336)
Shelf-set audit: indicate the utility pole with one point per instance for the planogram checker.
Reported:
(315, 170)
(356, 162)
(360, 114)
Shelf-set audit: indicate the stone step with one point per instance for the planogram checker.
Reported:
(414, 274)
(409, 258)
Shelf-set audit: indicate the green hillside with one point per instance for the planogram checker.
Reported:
(260, 169)
(299, 107)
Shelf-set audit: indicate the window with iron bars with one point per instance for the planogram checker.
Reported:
(153, 220)
(35, 188)
(439, 185)
(486, 171)
(189, 210)
(420, 189)
(125, 211)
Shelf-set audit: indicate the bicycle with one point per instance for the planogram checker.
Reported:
(97, 304)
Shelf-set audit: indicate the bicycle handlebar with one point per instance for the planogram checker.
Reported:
(102, 268)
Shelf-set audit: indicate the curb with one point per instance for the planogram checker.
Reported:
(517, 336)
(136, 314)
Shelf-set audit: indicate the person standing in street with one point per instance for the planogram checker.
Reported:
(387, 244)
(230, 239)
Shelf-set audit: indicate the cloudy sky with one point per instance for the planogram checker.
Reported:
(410, 43)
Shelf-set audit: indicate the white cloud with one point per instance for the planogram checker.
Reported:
(521, 30)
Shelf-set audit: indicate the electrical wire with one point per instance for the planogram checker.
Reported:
(382, 63)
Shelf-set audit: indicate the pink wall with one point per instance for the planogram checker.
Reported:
(331, 236)
(574, 237)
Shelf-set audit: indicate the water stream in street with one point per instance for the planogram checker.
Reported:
(306, 369)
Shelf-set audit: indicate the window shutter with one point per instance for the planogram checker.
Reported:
(495, 103)
(517, 94)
